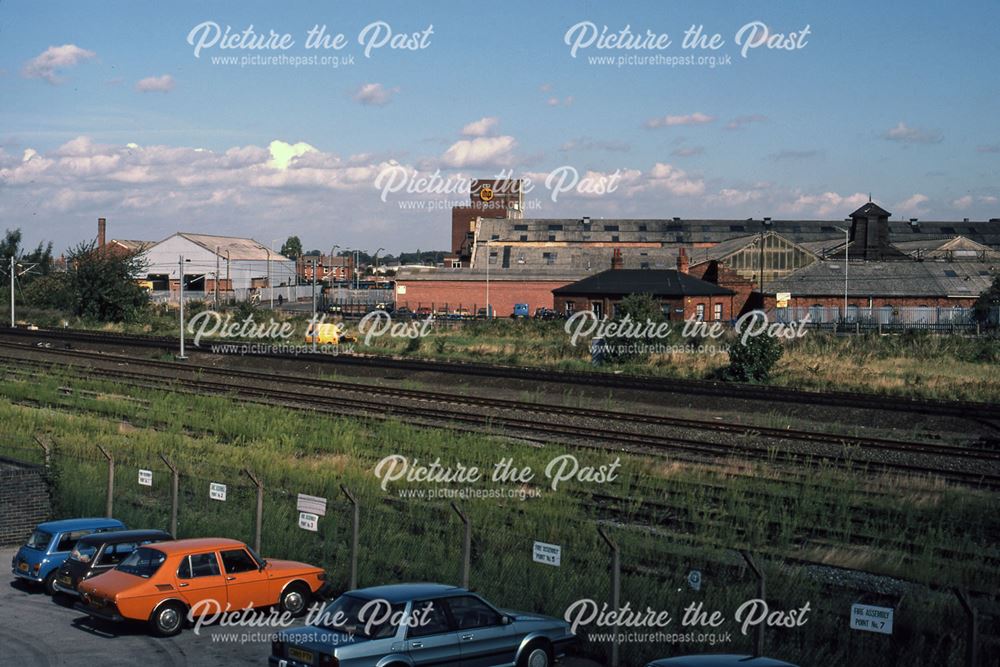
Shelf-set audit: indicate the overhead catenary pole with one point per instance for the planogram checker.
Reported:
(180, 294)
(315, 324)
(270, 289)
(12, 291)
(229, 283)
(216, 281)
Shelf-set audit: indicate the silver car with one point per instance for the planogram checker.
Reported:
(408, 625)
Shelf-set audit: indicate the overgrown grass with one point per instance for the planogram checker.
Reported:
(667, 518)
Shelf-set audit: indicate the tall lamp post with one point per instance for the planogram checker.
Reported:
(847, 241)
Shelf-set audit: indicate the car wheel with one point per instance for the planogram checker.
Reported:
(294, 600)
(49, 585)
(536, 655)
(168, 619)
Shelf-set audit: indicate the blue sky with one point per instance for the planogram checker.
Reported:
(894, 98)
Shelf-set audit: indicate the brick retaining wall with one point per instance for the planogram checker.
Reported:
(24, 500)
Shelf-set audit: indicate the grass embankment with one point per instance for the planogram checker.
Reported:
(915, 364)
(669, 518)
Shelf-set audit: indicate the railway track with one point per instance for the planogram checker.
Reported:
(984, 413)
(438, 409)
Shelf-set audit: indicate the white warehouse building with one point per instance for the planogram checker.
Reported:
(236, 264)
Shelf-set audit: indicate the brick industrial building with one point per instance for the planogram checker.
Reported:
(895, 263)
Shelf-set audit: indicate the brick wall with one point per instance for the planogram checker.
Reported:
(471, 294)
(24, 500)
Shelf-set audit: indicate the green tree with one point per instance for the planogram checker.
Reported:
(102, 285)
(753, 360)
(987, 306)
(292, 247)
(39, 260)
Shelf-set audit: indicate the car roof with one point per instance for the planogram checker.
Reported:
(406, 592)
(719, 660)
(84, 523)
(197, 544)
(116, 536)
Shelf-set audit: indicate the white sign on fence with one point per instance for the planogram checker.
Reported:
(145, 477)
(311, 504)
(217, 491)
(549, 554)
(308, 521)
(871, 619)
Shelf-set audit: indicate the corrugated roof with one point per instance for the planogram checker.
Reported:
(896, 278)
(234, 247)
(618, 282)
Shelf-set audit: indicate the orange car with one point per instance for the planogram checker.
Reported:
(160, 583)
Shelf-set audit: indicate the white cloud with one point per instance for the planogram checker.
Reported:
(696, 118)
(903, 133)
(673, 180)
(824, 204)
(688, 151)
(481, 127)
(44, 65)
(962, 203)
(912, 205)
(566, 101)
(155, 84)
(479, 152)
(374, 94)
(283, 153)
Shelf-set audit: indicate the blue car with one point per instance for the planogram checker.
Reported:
(410, 625)
(49, 546)
(719, 660)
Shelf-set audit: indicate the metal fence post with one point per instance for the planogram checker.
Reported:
(174, 494)
(615, 589)
(972, 635)
(46, 446)
(354, 535)
(758, 639)
(260, 509)
(466, 546)
(109, 510)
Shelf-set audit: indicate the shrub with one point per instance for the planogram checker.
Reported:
(753, 360)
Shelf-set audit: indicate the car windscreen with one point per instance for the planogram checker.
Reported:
(83, 552)
(370, 619)
(39, 540)
(142, 562)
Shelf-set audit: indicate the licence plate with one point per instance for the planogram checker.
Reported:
(23, 567)
(300, 655)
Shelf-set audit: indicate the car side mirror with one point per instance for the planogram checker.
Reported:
(507, 620)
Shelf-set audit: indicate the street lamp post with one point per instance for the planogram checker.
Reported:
(847, 241)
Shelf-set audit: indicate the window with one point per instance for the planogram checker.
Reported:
(951, 274)
(493, 258)
(570, 307)
(522, 237)
(555, 228)
(471, 612)
(520, 228)
(199, 565)
(643, 265)
(143, 562)
(737, 228)
(68, 540)
(433, 622)
(611, 228)
(552, 237)
(699, 312)
(549, 257)
(39, 540)
(494, 237)
(614, 238)
(116, 553)
(348, 611)
(456, 263)
(717, 312)
(642, 228)
(238, 560)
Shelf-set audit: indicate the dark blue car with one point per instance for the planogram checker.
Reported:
(49, 546)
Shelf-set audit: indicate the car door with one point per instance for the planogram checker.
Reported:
(201, 584)
(246, 584)
(431, 639)
(485, 640)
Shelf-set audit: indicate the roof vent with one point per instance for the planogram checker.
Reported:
(676, 219)
(585, 220)
(767, 221)
(994, 219)
(914, 222)
(965, 219)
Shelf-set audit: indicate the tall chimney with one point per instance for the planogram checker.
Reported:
(616, 259)
(682, 261)
(102, 225)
